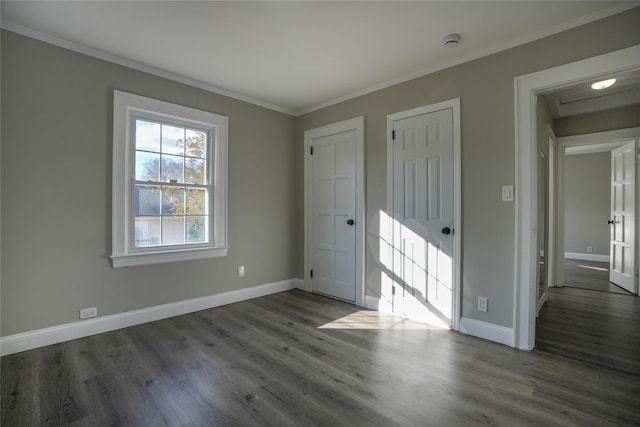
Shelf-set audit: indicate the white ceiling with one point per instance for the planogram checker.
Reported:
(295, 56)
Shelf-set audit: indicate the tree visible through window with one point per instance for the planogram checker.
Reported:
(171, 179)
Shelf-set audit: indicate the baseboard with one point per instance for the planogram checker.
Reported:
(370, 302)
(586, 257)
(377, 304)
(487, 331)
(29, 340)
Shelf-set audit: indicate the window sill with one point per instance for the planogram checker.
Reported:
(132, 260)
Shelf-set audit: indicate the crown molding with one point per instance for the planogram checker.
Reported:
(136, 65)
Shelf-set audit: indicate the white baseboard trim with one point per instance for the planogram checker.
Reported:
(586, 257)
(487, 331)
(377, 304)
(370, 303)
(39, 338)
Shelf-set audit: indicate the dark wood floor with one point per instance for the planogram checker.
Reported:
(591, 275)
(597, 328)
(294, 359)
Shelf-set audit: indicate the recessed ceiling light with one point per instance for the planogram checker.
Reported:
(451, 40)
(603, 84)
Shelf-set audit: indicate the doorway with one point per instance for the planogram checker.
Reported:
(526, 89)
(594, 213)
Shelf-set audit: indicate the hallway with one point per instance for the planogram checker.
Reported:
(591, 275)
(597, 328)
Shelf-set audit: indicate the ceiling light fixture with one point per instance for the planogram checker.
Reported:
(451, 40)
(603, 84)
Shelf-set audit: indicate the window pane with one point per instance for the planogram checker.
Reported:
(172, 230)
(147, 232)
(147, 200)
(196, 229)
(147, 166)
(194, 171)
(147, 136)
(196, 143)
(172, 168)
(196, 201)
(172, 140)
(172, 201)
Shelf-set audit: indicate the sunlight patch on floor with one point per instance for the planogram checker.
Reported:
(593, 268)
(368, 319)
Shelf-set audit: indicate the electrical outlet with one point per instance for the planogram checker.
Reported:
(87, 313)
(483, 304)
(241, 271)
(589, 249)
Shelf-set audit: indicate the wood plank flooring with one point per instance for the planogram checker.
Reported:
(597, 328)
(294, 359)
(592, 275)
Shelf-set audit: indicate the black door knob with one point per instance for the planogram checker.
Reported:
(349, 222)
(446, 231)
(610, 222)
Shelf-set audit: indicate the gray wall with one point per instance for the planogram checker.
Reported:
(485, 87)
(587, 190)
(56, 191)
(619, 118)
(56, 178)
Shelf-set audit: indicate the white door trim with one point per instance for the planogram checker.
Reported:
(551, 247)
(356, 124)
(526, 88)
(454, 104)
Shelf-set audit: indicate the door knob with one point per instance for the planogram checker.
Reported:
(446, 231)
(610, 222)
(349, 222)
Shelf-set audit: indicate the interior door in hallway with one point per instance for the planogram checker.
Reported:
(333, 231)
(423, 216)
(622, 222)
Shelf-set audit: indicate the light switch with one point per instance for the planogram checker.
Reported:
(507, 193)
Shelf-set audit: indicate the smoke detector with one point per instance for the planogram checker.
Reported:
(451, 40)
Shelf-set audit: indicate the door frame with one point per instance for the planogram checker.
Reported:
(356, 124)
(598, 142)
(549, 247)
(526, 89)
(453, 104)
(552, 208)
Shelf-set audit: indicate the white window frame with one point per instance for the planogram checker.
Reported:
(126, 108)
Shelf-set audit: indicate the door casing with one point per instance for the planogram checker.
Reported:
(356, 124)
(526, 89)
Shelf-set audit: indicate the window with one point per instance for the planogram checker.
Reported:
(169, 182)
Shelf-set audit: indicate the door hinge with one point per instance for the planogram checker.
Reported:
(311, 150)
(393, 135)
(393, 290)
(312, 274)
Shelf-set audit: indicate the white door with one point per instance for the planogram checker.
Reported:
(333, 214)
(622, 243)
(423, 216)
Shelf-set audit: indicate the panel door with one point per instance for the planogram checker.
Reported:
(333, 174)
(622, 270)
(423, 216)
